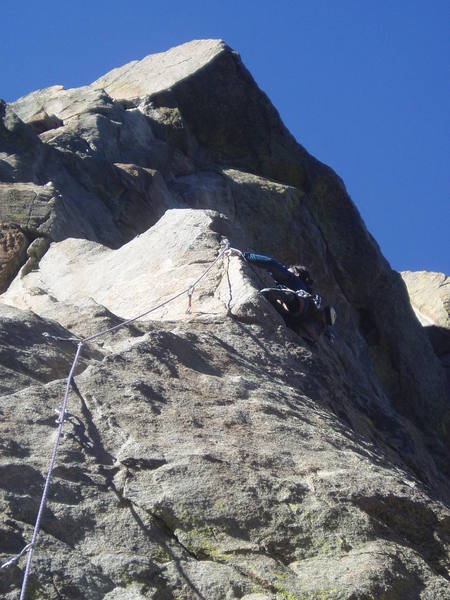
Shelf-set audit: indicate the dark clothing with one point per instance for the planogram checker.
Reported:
(299, 307)
(293, 298)
(279, 272)
(299, 312)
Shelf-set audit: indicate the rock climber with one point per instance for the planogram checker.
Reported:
(293, 298)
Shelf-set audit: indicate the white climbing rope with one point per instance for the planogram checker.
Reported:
(37, 525)
(189, 290)
(29, 548)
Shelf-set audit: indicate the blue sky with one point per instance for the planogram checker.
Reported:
(362, 84)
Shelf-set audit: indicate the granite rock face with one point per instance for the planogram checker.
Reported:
(430, 298)
(211, 454)
(13, 248)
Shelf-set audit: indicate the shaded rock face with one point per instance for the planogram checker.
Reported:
(430, 298)
(13, 247)
(212, 454)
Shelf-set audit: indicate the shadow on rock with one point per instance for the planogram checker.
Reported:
(411, 524)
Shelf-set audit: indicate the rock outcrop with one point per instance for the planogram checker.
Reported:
(430, 299)
(212, 454)
(13, 249)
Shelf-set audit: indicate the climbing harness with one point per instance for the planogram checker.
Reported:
(61, 411)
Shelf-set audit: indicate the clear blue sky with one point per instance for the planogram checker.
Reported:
(362, 84)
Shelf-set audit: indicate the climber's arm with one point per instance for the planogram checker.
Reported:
(279, 271)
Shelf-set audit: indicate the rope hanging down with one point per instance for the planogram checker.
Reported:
(62, 410)
(61, 420)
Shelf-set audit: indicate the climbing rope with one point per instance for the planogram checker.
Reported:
(37, 525)
(230, 291)
(29, 548)
(190, 293)
(189, 289)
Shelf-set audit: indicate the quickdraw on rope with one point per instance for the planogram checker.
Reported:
(190, 293)
(57, 338)
(227, 272)
(12, 561)
(61, 411)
